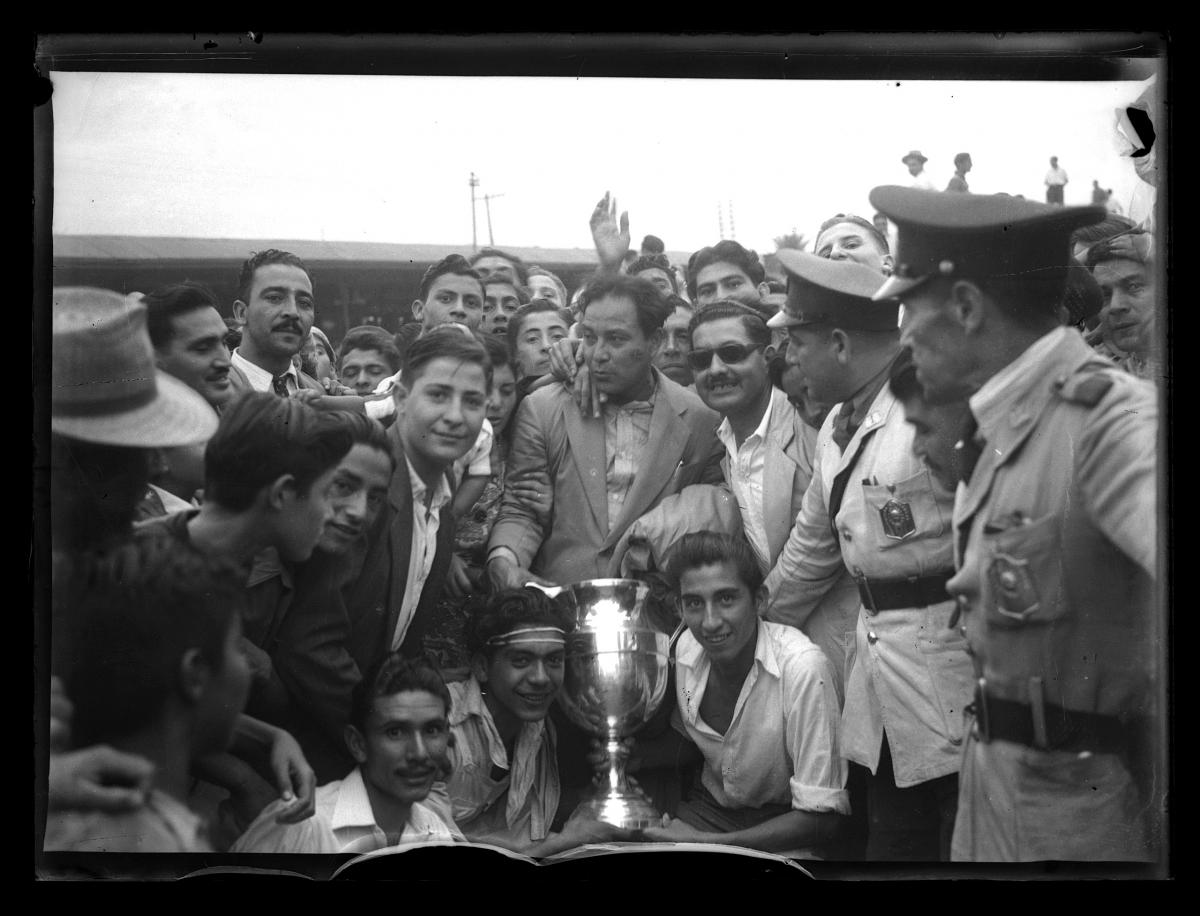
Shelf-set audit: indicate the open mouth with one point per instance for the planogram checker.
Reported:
(722, 386)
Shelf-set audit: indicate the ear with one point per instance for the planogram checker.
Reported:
(763, 289)
(399, 397)
(657, 338)
(889, 264)
(418, 310)
(760, 600)
(280, 491)
(839, 342)
(355, 743)
(194, 675)
(239, 311)
(968, 306)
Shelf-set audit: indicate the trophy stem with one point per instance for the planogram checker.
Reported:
(618, 803)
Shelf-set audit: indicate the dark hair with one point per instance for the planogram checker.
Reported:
(1082, 297)
(497, 350)
(870, 227)
(364, 430)
(138, 609)
(963, 157)
(447, 342)
(370, 337)
(1109, 227)
(96, 489)
(652, 244)
(651, 306)
(654, 262)
(403, 338)
(502, 611)
(517, 322)
(166, 303)
(707, 548)
(756, 328)
(902, 377)
(729, 251)
(537, 271)
(517, 285)
(259, 259)
(233, 334)
(517, 263)
(260, 438)
(393, 674)
(451, 264)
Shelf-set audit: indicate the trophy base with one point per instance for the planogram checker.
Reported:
(627, 810)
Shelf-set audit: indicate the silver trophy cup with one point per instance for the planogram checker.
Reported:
(616, 676)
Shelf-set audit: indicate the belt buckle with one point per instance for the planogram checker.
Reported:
(982, 726)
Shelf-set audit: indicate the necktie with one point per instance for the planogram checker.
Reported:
(279, 383)
(843, 432)
(968, 448)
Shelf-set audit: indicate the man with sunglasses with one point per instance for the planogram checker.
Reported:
(769, 451)
(873, 509)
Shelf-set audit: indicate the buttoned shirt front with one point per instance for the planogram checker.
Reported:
(1057, 176)
(747, 463)
(782, 745)
(262, 380)
(923, 182)
(518, 807)
(426, 522)
(343, 822)
(626, 433)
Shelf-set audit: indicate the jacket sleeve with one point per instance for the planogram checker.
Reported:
(809, 564)
(518, 527)
(700, 507)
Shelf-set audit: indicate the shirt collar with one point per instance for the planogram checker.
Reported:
(441, 495)
(267, 564)
(865, 396)
(725, 431)
(259, 377)
(637, 406)
(691, 654)
(353, 807)
(991, 399)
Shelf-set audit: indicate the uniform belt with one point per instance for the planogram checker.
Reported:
(1056, 728)
(889, 594)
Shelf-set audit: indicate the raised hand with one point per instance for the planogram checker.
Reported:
(611, 239)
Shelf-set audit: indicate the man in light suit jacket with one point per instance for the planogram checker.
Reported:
(654, 438)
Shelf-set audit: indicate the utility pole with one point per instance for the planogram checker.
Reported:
(732, 230)
(720, 220)
(474, 183)
(487, 203)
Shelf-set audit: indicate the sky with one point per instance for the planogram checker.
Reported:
(387, 158)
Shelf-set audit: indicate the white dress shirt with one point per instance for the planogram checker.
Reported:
(262, 380)
(426, 522)
(746, 465)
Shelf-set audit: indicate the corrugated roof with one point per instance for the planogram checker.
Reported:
(225, 251)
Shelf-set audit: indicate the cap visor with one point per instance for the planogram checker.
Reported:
(895, 287)
(176, 416)
(782, 319)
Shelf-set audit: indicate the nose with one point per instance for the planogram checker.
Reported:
(417, 749)
(453, 414)
(458, 311)
(791, 356)
(222, 358)
(1117, 304)
(710, 622)
(158, 463)
(355, 508)
(538, 674)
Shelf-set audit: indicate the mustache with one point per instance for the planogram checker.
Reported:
(289, 325)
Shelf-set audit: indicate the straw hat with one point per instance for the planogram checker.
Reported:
(105, 387)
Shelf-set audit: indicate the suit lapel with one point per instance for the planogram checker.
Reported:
(660, 460)
(779, 474)
(398, 542)
(586, 438)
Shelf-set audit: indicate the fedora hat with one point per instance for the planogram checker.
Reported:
(105, 387)
(914, 154)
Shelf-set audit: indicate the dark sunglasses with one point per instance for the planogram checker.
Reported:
(729, 353)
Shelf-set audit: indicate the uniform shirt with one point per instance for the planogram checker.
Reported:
(162, 824)
(626, 432)
(519, 807)
(909, 676)
(747, 463)
(426, 522)
(782, 746)
(262, 380)
(343, 822)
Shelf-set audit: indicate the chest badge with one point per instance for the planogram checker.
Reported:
(897, 519)
(1013, 588)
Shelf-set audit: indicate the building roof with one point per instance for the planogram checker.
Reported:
(138, 248)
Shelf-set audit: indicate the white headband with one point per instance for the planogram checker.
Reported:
(525, 635)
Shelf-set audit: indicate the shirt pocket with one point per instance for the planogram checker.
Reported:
(904, 512)
(1022, 575)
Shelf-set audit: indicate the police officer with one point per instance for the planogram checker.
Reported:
(874, 509)
(1055, 531)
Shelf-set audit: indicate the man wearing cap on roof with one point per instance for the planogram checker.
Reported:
(1055, 531)
(916, 167)
(1123, 267)
(873, 508)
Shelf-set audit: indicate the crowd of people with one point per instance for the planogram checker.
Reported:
(898, 510)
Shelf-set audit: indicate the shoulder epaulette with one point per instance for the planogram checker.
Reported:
(1087, 386)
